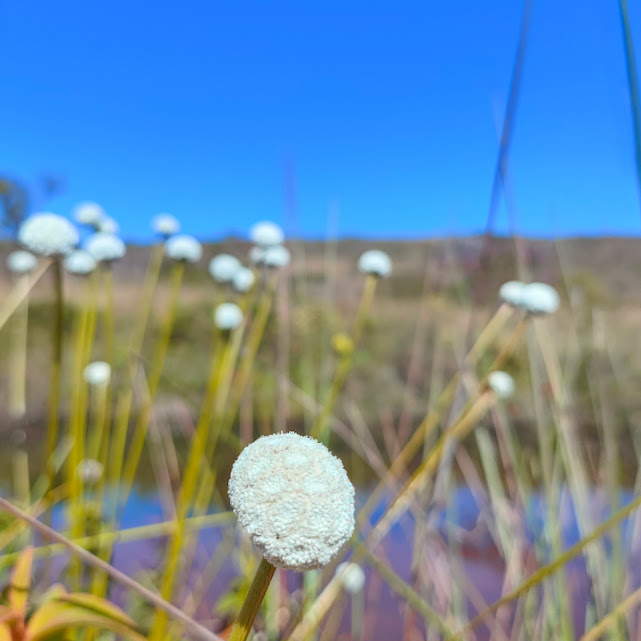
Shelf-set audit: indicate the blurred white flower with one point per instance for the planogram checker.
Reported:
(80, 262)
(511, 292)
(89, 213)
(48, 234)
(352, 576)
(184, 247)
(223, 267)
(109, 226)
(266, 234)
(105, 247)
(243, 280)
(97, 373)
(276, 256)
(90, 471)
(165, 225)
(539, 298)
(501, 383)
(256, 255)
(21, 262)
(228, 316)
(376, 263)
(294, 500)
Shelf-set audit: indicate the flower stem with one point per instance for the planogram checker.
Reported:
(253, 600)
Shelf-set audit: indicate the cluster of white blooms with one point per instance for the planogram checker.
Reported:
(228, 316)
(268, 249)
(375, 263)
(266, 234)
(501, 383)
(352, 576)
(80, 262)
(97, 373)
(89, 213)
(105, 247)
(224, 267)
(185, 248)
(165, 225)
(535, 298)
(243, 280)
(109, 225)
(294, 500)
(21, 262)
(48, 234)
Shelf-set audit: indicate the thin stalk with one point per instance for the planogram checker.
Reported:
(17, 380)
(254, 598)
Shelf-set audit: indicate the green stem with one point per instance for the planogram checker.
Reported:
(17, 380)
(253, 600)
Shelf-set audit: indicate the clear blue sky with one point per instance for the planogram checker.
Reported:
(386, 113)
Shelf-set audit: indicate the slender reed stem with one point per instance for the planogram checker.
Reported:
(252, 602)
(17, 380)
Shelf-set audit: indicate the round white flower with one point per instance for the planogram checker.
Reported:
(90, 471)
(539, 298)
(185, 248)
(97, 373)
(376, 263)
(48, 234)
(21, 262)
(352, 576)
(501, 383)
(89, 213)
(80, 262)
(294, 500)
(228, 316)
(165, 225)
(276, 256)
(105, 247)
(223, 267)
(256, 255)
(109, 226)
(243, 280)
(266, 234)
(511, 292)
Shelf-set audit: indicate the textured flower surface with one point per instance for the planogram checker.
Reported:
(97, 373)
(243, 280)
(89, 213)
(256, 254)
(228, 316)
(90, 471)
(21, 262)
(376, 263)
(109, 226)
(352, 577)
(80, 262)
(165, 225)
(294, 500)
(48, 235)
(511, 292)
(266, 234)
(501, 383)
(539, 298)
(276, 256)
(105, 247)
(184, 247)
(223, 267)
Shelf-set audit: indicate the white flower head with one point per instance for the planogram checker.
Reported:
(266, 234)
(109, 226)
(21, 262)
(511, 292)
(539, 298)
(165, 225)
(80, 262)
(501, 383)
(256, 255)
(223, 267)
(88, 213)
(97, 373)
(105, 247)
(184, 247)
(276, 256)
(90, 471)
(228, 316)
(294, 500)
(376, 263)
(243, 280)
(352, 576)
(48, 234)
